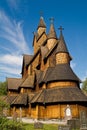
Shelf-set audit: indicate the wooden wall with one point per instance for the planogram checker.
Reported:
(38, 43)
(62, 84)
(62, 58)
(55, 111)
(50, 43)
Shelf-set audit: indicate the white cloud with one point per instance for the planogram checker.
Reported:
(16, 45)
(11, 60)
(13, 32)
(10, 70)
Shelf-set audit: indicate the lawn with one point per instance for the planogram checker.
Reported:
(45, 127)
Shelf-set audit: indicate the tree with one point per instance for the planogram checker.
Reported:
(84, 85)
(3, 88)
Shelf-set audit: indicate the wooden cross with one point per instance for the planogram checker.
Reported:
(51, 19)
(61, 28)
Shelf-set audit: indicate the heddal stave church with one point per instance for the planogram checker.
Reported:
(48, 89)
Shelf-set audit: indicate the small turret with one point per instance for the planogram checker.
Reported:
(52, 37)
(41, 26)
(62, 53)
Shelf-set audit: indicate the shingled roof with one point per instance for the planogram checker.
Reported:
(21, 99)
(44, 51)
(52, 33)
(61, 45)
(42, 23)
(60, 94)
(51, 50)
(28, 82)
(27, 58)
(61, 72)
(10, 98)
(14, 83)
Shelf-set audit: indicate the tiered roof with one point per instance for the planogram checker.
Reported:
(60, 72)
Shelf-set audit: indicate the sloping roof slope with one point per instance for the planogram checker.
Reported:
(21, 99)
(60, 94)
(27, 58)
(14, 83)
(28, 82)
(59, 73)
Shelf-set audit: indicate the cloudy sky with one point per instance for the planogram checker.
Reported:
(19, 18)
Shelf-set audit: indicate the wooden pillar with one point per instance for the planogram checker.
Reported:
(29, 112)
(60, 110)
(77, 111)
(37, 108)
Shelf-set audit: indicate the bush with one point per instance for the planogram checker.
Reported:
(6, 124)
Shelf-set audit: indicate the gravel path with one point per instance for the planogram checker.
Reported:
(53, 121)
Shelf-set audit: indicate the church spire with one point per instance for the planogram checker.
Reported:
(62, 51)
(52, 33)
(62, 45)
(41, 23)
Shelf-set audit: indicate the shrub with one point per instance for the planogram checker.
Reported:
(6, 124)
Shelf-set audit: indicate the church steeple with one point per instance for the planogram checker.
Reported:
(52, 33)
(41, 23)
(62, 45)
(62, 53)
(52, 37)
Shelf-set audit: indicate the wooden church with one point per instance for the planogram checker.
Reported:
(48, 89)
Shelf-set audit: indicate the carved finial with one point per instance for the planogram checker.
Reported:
(52, 20)
(61, 28)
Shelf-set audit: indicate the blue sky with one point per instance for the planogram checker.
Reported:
(19, 18)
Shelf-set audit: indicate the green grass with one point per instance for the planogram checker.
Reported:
(45, 127)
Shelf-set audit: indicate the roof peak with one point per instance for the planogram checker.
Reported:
(41, 23)
(62, 45)
(52, 32)
(61, 34)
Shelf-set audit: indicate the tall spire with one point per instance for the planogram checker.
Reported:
(41, 23)
(52, 33)
(62, 45)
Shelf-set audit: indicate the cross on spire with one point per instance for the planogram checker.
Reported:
(51, 20)
(61, 28)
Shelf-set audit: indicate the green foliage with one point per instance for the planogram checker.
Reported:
(84, 85)
(3, 88)
(46, 127)
(6, 124)
(3, 106)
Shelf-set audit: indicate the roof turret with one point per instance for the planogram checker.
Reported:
(52, 33)
(62, 45)
(42, 23)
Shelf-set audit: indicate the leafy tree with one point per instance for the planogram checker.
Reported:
(4, 106)
(3, 88)
(84, 85)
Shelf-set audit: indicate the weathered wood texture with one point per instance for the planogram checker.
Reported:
(50, 43)
(62, 58)
(62, 84)
(55, 111)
